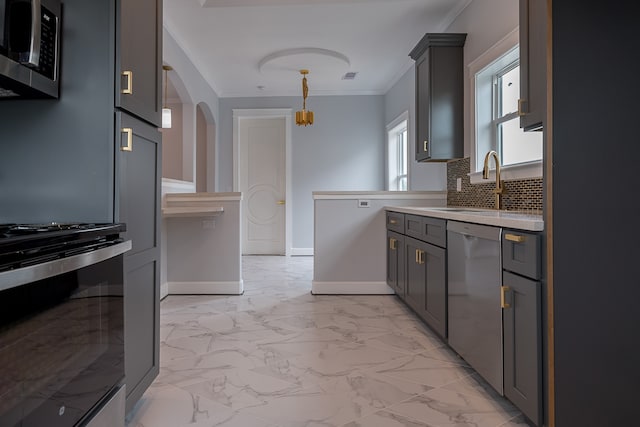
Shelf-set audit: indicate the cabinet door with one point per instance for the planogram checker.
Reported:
(139, 56)
(395, 262)
(522, 345)
(422, 108)
(533, 64)
(435, 304)
(415, 275)
(138, 206)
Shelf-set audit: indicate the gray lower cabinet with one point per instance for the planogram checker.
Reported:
(417, 266)
(426, 285)
(522, 322)
(395, 262)
(138, 146)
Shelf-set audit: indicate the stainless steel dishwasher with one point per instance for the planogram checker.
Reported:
(474, 279)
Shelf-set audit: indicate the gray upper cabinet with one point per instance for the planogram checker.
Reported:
(439, 96)
(139, 59)
(532, 105)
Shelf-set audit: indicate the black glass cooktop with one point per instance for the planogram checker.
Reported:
(22, 245)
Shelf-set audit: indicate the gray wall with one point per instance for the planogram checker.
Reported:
(401, 98)
(343, 150)
(57, 155)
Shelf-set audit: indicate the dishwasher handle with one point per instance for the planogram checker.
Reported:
(475, 230)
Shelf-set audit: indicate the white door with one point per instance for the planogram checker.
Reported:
(262, 182)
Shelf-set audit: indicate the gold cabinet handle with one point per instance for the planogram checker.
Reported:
(521, 103)
(514, 238)
(281, 202)
(422, 254)
(503, 302)
(426, 145)
(393, 221)
(417, 256)
(129, 89)
(392, 244)
(129, 146)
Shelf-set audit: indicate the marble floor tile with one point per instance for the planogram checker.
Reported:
(446, 408)
(279, 356)
(387, 419)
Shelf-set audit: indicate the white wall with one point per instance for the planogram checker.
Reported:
(193, 90)
(486, 22)
(342, 150)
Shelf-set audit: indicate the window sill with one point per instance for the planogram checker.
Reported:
(529, 170)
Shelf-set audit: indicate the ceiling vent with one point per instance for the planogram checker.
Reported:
(349, 76)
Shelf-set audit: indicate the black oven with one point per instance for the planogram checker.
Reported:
(61, 324)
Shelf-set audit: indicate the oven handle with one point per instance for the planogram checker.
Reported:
(22, 276)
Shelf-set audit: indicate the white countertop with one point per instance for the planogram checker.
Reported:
(379, 195)
(506, 219)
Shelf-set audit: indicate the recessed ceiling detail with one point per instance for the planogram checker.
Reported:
(321, 61)
(244, 3)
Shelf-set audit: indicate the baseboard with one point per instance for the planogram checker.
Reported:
(351, 288)
(301, 252)
(206, 288)
(164, 290)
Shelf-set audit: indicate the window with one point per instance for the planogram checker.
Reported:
(397, 156)
(497, 125)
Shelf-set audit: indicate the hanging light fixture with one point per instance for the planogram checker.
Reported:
(166, 111)
(304, 117)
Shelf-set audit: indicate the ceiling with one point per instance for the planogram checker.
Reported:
(257, 47)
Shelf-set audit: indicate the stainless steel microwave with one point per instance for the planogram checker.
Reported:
(29, 48)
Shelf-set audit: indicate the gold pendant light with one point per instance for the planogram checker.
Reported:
(304, 117)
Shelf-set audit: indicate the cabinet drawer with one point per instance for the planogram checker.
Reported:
(521, 253)
(395, 222)
(431, 230)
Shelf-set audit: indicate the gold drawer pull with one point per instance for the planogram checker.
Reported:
(514, 238)
(521, 111)
(392, 244)
(503, 302)
(129, 146)
(129, 89)
(281, 202)
(393, 221)
(426, 146)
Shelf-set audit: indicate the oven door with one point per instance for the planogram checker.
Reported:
(61, 339)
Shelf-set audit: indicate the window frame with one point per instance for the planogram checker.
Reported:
(526, 170)
(395, 129)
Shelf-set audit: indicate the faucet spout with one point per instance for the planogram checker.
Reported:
(499, 190)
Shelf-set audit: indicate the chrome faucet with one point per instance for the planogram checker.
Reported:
(499, 190)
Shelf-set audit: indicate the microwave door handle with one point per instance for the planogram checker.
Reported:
(36, 24)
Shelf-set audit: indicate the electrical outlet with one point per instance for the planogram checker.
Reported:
(363, 204)
(208, 224)
(459, 184)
